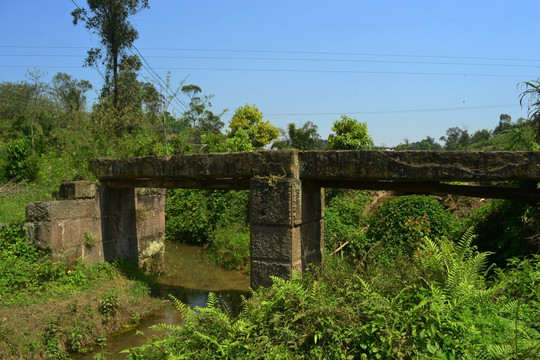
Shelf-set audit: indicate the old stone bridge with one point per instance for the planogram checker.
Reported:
(123, 216)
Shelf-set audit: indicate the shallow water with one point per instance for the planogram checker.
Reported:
(189, 278)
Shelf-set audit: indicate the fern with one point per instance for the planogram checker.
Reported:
(171, 329)
(213, 302)
(244, 306)
(186, 311)
(464, 268)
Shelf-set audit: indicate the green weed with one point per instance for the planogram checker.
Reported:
(230, 247)
(108, 305)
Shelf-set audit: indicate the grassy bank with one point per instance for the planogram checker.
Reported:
(51, 309)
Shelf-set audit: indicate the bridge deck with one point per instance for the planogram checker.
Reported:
(393, 170)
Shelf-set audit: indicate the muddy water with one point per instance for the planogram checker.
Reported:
(188, 277)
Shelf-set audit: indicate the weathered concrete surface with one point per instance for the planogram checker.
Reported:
(193, 167)
(68, 228)
(82, 225)
(379, 165)
(420, 165)
(373, 170)
(78, 190)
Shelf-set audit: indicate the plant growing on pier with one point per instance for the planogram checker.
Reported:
(89, 239)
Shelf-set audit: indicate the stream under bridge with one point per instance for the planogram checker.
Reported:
(123, 215)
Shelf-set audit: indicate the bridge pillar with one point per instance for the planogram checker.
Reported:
(118, 223)
(133, 224)
(286, 218)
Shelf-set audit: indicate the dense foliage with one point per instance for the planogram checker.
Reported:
(436, 304)
(507, 228)
(401, 223)
(250, 119)
(349, 134)
(407, 285)
(194, 216)
(345, 219)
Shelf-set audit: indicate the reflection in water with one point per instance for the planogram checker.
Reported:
(189, 278)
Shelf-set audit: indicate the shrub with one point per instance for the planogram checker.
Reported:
(21, 266)
(345, 219)
(509, 229)
(194, 215)
(399, 224)
(18, 161)
(230, 247)
(442, 309)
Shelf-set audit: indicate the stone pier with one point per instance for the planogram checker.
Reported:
(286, 216)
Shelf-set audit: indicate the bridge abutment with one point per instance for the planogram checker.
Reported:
(99, 223)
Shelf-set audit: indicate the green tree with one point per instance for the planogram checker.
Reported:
(481, 136)
(15, 103)
(505, 124)
(249, 118)
(199, 128)
(109, 19)
(138, 105)
(456, 139)
(532, 91)
(427, 144)
(69, 92)
(304, 138)
(26, 110)
(349, 134)
(39, 89)
(198, 116)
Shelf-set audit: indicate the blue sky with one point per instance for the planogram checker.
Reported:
(408, 68)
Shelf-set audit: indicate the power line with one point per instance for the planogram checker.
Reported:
(152, 73)
(345, 72)
(156, 76)
(396, 111)
(289, 52)
(289, 59)
(341, 53)
(366, 72)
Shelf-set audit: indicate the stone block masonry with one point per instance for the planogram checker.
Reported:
(93, 223)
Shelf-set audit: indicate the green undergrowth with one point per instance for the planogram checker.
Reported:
(51, 169)
(51, 309)
(345, 218)
(218, 219)
(398, 225)
(229, 247)
(507, 228)
(194, 216)
(435, 304)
